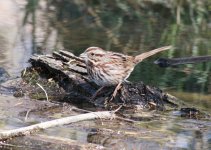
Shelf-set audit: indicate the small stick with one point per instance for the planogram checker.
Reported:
(10, 145)
(24, 72)
(46, 94)
(27, 114)
(57, 122)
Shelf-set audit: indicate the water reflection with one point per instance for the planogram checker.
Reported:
(197, 139)
(12, 53)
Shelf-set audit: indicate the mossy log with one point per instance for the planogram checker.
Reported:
(69, 71)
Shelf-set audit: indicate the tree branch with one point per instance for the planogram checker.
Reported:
(57, 122)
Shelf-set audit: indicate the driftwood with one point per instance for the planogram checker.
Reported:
(69, 71)
(57, 122)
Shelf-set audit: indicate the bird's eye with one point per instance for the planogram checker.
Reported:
(92, 54)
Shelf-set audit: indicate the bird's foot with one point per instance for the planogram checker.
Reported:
(118, 87)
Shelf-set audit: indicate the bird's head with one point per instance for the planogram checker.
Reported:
(93, 54)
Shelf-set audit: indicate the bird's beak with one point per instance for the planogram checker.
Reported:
(83, 56)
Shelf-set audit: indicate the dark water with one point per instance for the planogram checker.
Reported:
(130, 27)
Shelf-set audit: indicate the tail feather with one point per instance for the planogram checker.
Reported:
(142, 56)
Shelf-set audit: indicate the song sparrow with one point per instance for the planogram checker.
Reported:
(108, 68)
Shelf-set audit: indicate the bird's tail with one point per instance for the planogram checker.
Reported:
(142, 56)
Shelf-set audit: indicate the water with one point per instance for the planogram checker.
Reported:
(130, 27)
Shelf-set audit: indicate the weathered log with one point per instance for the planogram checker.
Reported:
(70, 73)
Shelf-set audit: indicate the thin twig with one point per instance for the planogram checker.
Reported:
(27, 114)
(80, 110)
(11, 145)
(24, 72)
(126, 119)
(118, 109)
(46, 94)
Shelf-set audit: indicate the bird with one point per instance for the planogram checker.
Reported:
(107, 68)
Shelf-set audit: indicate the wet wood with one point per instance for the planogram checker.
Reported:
(70, 73)
(65, 67)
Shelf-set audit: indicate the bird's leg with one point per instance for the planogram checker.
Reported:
(119, 86)
(97, 92)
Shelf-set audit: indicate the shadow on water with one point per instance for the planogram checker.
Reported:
(130, 27)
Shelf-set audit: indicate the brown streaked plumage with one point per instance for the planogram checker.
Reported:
(107, 68)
